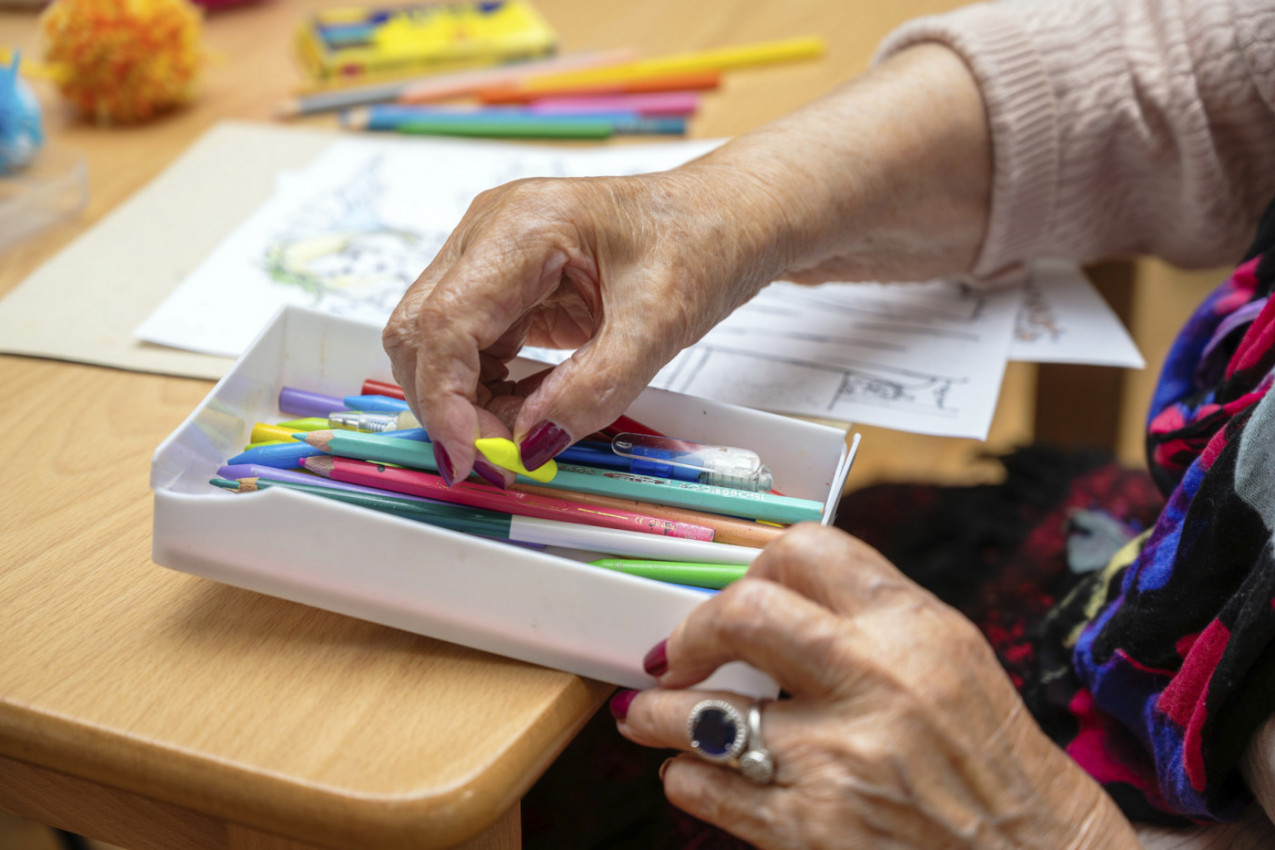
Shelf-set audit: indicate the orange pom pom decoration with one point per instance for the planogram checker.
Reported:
(122, 61)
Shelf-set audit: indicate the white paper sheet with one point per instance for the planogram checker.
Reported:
(349, 233)
(926, 357)
(1065, 320)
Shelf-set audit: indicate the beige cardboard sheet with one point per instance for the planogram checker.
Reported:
(84, 304)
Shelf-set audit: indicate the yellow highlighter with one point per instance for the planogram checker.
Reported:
(504, 453)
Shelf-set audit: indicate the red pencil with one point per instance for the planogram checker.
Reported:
(475, 495)
(371, 386)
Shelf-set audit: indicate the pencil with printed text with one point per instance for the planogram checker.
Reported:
(473, 494)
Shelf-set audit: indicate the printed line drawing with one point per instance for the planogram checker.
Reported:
(729, 372)
(338, 249)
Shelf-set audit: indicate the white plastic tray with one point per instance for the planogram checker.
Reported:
(540, 607)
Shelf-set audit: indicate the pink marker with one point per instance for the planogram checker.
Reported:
(654, 105)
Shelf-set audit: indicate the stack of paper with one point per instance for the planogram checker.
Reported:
(350, 230)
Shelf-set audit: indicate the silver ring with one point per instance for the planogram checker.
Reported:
(719, 733)
(757, 763)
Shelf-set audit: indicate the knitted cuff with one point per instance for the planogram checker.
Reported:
(1022, 115)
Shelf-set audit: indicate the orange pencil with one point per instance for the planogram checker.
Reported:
(739, 532)
(639, 85)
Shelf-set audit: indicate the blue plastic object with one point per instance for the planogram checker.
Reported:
(21, 136)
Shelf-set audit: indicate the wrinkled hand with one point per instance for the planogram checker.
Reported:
(902, 729)
(631, 270)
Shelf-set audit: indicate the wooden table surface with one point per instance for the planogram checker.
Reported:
(154, 709)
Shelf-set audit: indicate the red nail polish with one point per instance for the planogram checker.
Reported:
(490, 473)
(620, 703)
(542, 443)
(656, 661)
(445, 468)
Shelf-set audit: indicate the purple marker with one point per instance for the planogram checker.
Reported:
(303, 403)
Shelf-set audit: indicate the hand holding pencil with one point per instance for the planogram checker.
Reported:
(567, 264)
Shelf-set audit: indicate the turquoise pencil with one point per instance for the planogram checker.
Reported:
(683, 494)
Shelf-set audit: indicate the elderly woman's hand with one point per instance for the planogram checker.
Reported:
(629, 269)
(887, 179)
(902, 729)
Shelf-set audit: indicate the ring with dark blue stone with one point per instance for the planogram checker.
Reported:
(717, 731)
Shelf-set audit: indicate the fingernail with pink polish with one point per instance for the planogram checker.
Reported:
(656, 661)
(489, 473)
(542, 443)
(445, 468)
(620, 703)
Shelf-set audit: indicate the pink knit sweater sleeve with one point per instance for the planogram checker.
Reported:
(1119, 126)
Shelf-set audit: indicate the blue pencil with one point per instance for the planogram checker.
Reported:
(393, 117)
(289, 457)
(375, 403)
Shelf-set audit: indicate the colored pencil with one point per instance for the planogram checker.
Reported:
(738, 532)
(654, 105)
(438, 88)
(715, 576)
(280, 456)
(473, 494)
(590, 129)
(263, 443)
(720, 59)
(289, 456)
(371, 386)
(375, 403)
(583, 479)
(394, 117)
(262, 431)
(441, 86)
(696, 81)
(256, 470)
(519, 529)
(305, 403)
(312, 423)
(686, 494)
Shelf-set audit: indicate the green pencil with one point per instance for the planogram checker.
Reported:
(586, 479)
(522, 128)
(715, 576)
(310, 423)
